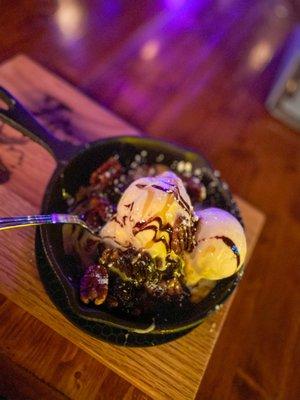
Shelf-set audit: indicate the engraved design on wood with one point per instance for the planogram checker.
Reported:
(4, 173)
(9, 143)
(57, 118)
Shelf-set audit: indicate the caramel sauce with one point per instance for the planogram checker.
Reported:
(150, 196)
(143, 226)
(115, 240)
(174, 190)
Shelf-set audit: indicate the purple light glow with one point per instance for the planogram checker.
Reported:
(175, 4)
(110, 8)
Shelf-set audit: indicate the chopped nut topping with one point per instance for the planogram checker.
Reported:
(183, 236)
(106, 173)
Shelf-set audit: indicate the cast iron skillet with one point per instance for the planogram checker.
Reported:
(74, 166)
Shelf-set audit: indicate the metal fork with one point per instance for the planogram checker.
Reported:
(30, 220)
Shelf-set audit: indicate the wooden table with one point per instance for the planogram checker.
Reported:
(170, 371)
(194, 76)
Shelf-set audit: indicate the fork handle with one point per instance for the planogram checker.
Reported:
(28, 220)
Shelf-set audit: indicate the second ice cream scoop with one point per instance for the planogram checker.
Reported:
(220, 248)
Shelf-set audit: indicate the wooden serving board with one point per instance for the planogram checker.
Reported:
(169, 371)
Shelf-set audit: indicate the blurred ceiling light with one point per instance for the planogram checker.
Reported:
(149, 50)
(281, 11)
(260, 55)
(69, 18)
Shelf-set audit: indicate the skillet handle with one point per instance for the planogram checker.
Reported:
(15, 115)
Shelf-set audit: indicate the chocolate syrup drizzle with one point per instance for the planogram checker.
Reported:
(232, 246)
(143, 226)
(174, 190)
(130, 205)
(228, 243)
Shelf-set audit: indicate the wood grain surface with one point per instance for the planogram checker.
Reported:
(168, 371)
(196, 72)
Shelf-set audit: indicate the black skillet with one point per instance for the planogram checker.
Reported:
(74, 166)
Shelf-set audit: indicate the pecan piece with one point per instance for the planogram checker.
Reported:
(106, 173)
(183, 236)
(94, 285)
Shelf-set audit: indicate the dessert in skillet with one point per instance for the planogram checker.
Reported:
(160, 248)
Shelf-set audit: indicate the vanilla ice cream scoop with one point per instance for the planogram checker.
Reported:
(146, 214)
(220, 247)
